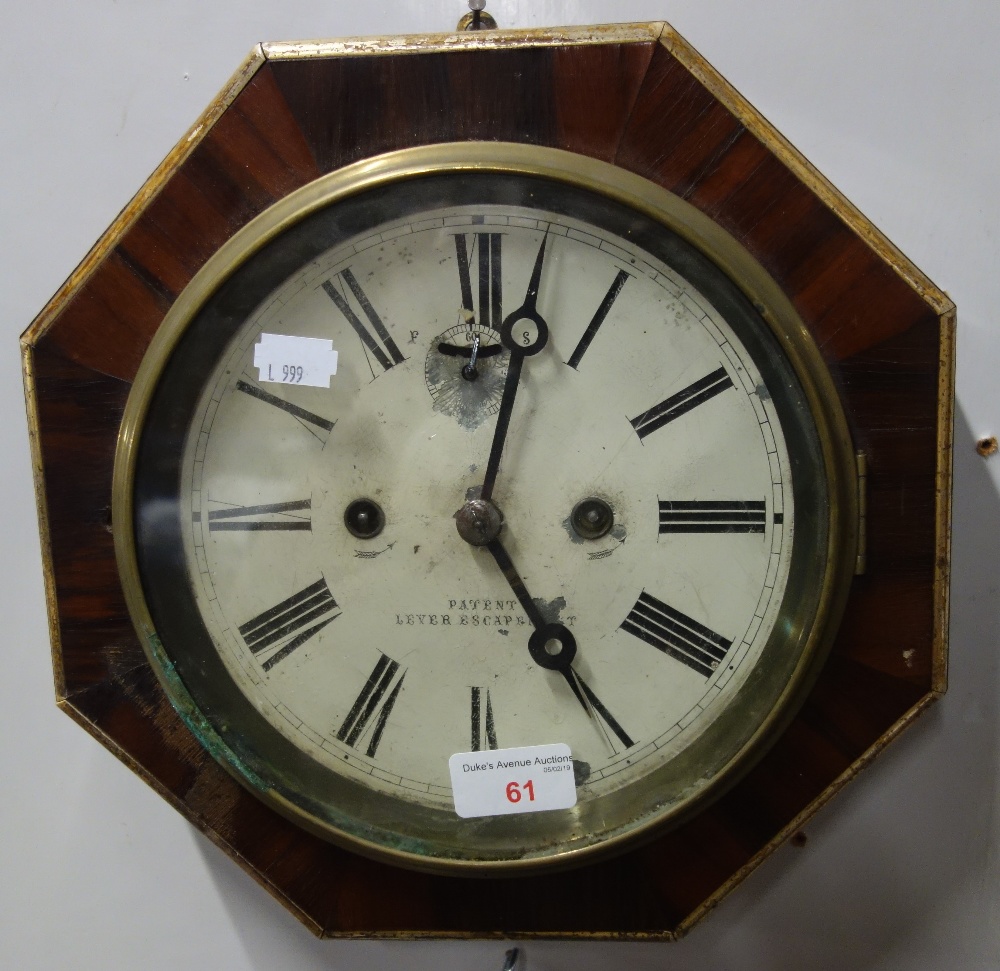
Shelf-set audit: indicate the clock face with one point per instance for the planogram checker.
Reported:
(564, 486)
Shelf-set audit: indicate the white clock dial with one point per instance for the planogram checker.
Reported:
(563, 488)
(384, 656)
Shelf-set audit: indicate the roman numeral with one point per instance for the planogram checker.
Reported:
(484, 734)
(670, 631)
(682, 402)
(490, 285)
(736, 516)
(600, 711)
(602, 311)
(375, 697)
(303, 417)
(388, 344)
(251, 518)
(288, 625)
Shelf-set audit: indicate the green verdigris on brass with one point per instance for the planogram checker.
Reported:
(199, 725)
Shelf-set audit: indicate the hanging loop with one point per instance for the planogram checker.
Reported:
(477, 18)
(510, 960)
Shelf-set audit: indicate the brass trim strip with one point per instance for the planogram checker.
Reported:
(465, 41)
(804, 170)
(943, 479)
(42, 509)
(141, 200)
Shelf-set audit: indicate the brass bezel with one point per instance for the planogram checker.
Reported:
(597, 177)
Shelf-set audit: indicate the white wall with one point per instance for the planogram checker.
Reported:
(897, 102)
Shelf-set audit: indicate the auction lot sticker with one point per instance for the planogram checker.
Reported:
(502, 781)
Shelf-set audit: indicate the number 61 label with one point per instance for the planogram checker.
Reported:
(512, 780)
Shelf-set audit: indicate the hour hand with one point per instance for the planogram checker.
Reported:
(528, 344)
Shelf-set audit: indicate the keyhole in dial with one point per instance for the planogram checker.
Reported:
(364, 518)
(592, 518)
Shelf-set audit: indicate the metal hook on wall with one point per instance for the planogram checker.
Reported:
(478, 18)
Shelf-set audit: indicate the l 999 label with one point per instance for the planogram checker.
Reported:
(513, 780)
(287, 359)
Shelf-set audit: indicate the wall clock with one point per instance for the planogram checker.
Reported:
(613, 455)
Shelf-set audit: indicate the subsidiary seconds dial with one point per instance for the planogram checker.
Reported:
(568, 484)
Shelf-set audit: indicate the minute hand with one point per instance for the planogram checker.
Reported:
(518, 352)
(551, 645)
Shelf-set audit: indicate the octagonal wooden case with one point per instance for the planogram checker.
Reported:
(637, 96)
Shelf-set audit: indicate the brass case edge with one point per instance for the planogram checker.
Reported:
(499, 39)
